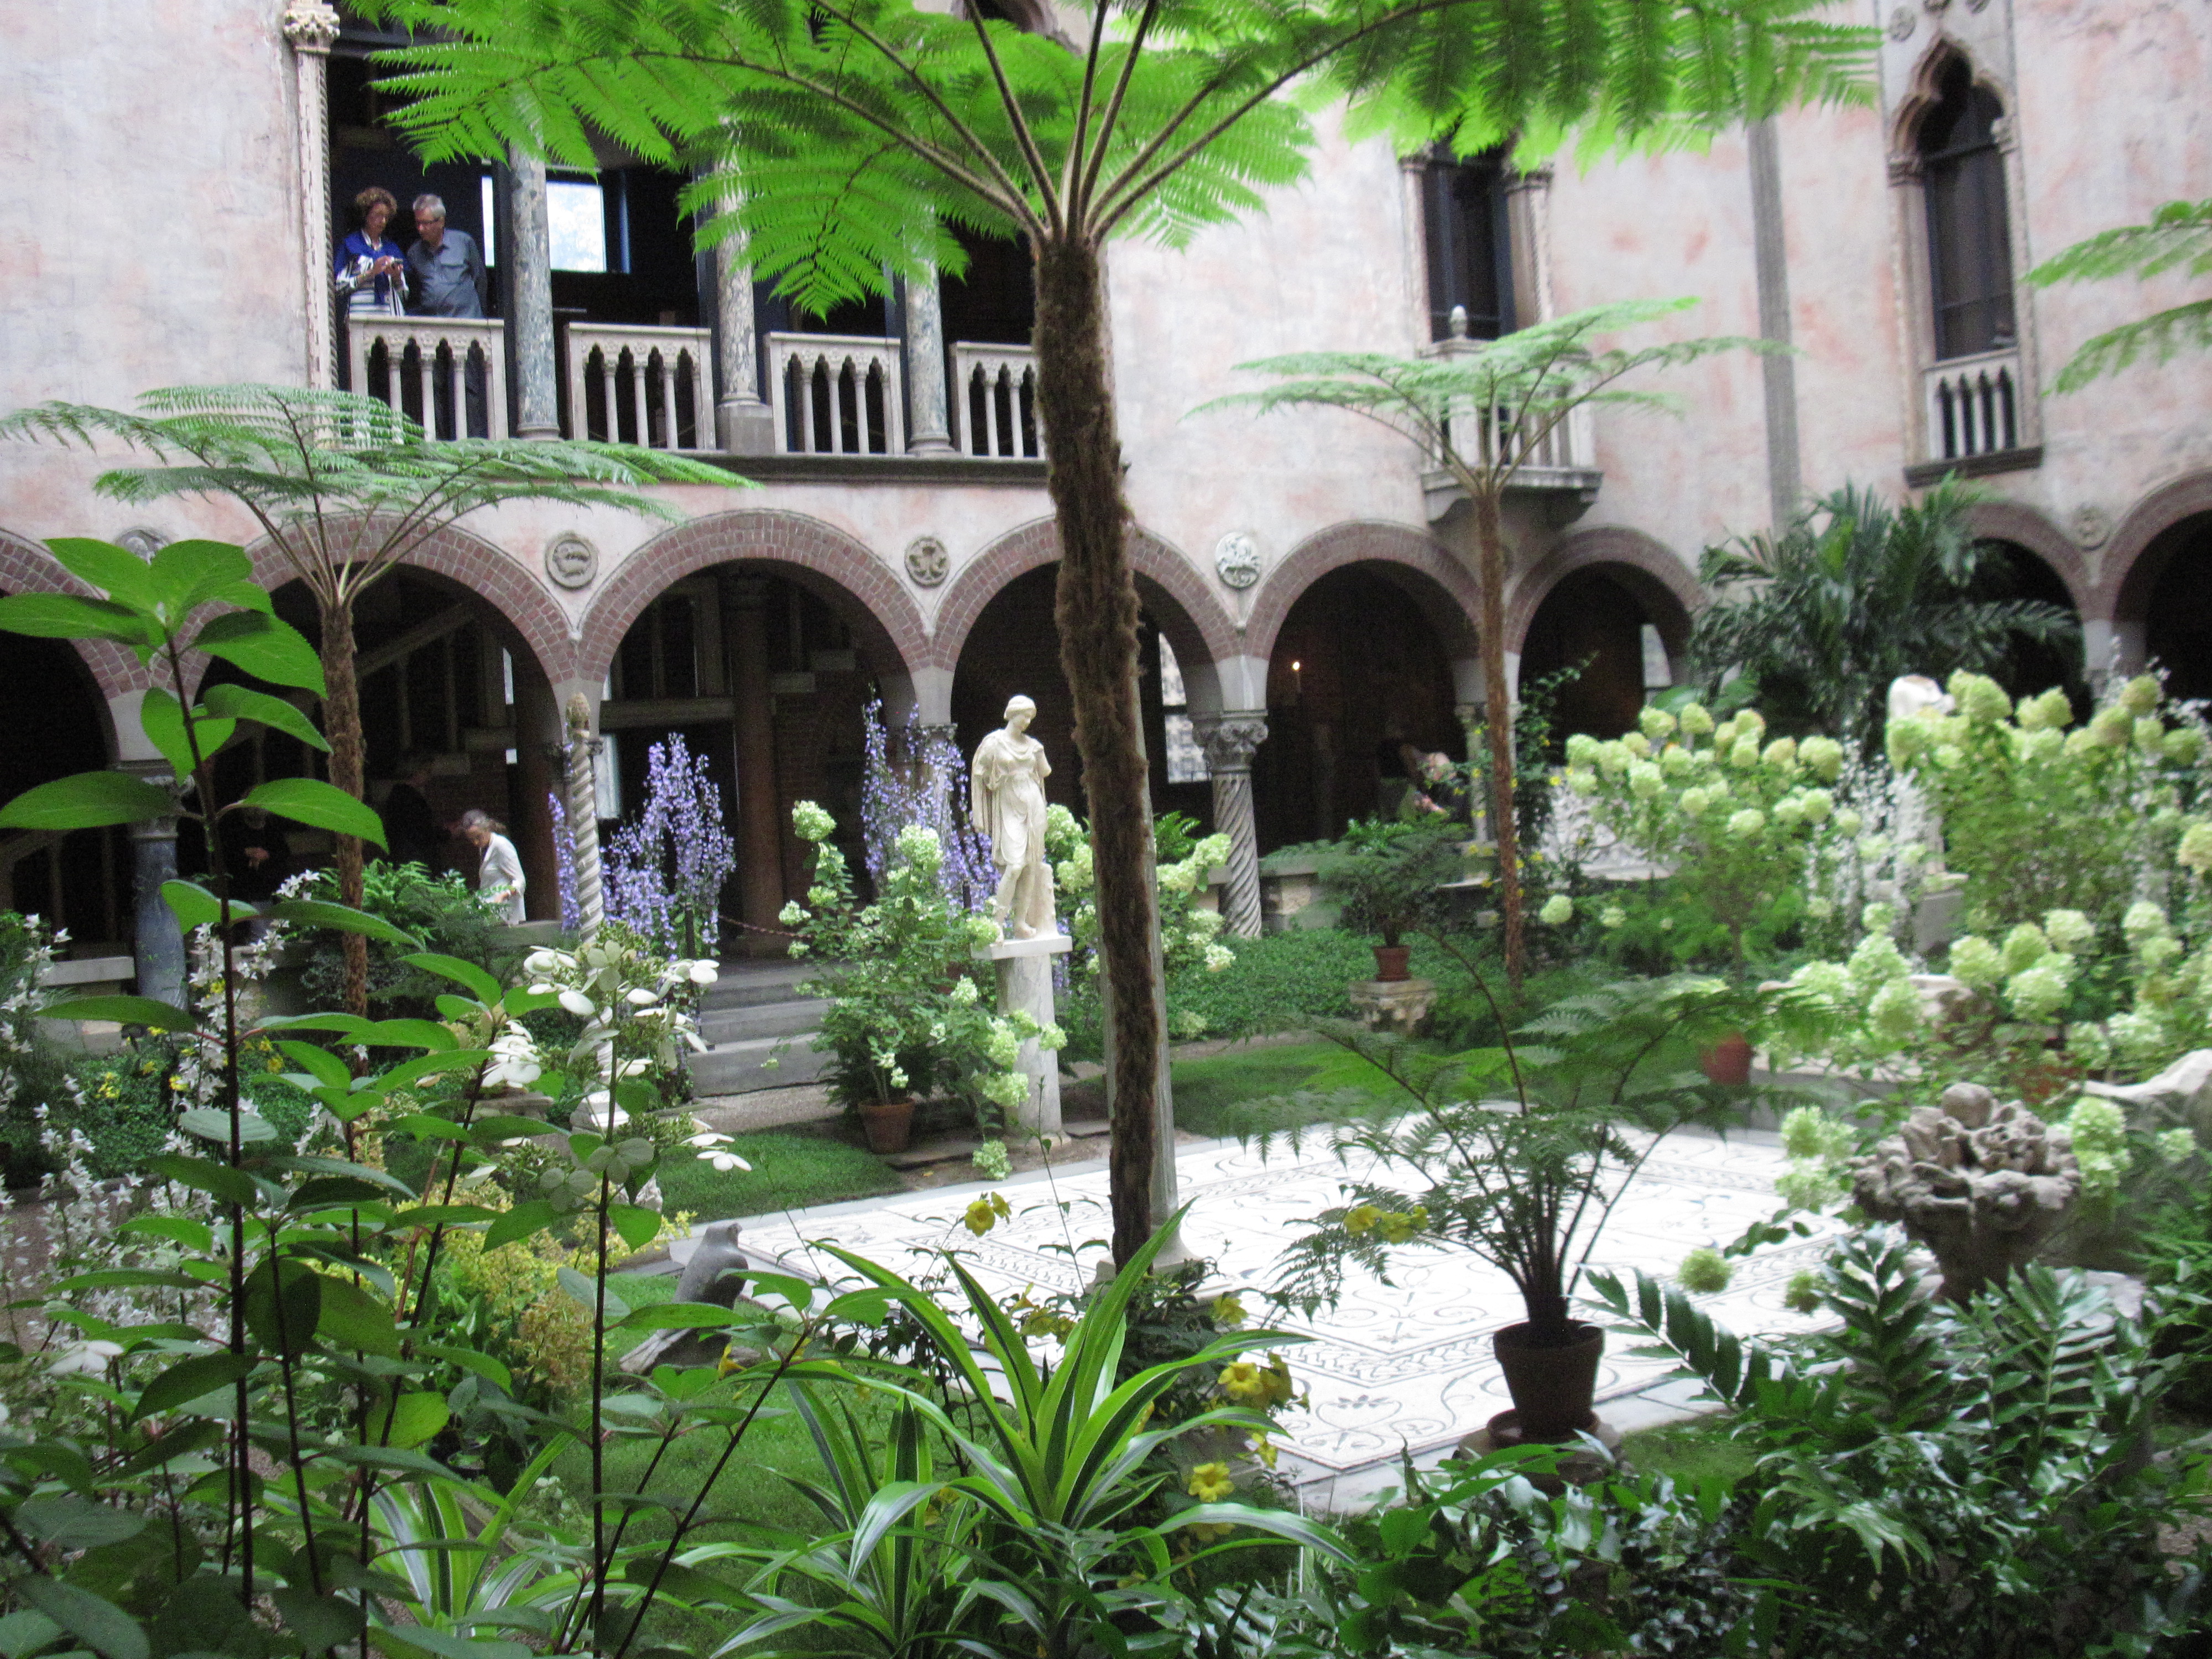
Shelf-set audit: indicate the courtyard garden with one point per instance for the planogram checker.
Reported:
(1849, 1097)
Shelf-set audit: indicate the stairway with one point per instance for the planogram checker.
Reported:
(752, 1015)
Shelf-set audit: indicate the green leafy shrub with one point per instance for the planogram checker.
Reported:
(1942, 1479)
(788, 1172)
(442, 912)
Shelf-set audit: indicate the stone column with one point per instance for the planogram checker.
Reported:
(1778, 370)
(745, 424)
(926, 432)
(760, 831)
(530, 290)
(159, 947)
(537, 749)
(583, 804)
(1229, 740)
(1024, 971)
(311, 27)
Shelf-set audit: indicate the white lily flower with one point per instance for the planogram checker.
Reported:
(578, 1004)
(642, 998)
(704, 973)
(86, 1359)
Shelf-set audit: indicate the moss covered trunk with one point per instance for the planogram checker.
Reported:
(349, 771)
(1097, 614)
(1498, 726)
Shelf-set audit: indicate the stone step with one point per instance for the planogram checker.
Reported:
(761, 1019)
(736, 1068)
(747, 984)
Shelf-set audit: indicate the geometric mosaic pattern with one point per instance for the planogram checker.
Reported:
(1392, 1368)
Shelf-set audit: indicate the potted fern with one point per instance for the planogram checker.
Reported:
(1517, 1156)
(1383, 876)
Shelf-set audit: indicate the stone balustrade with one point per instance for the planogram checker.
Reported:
(836, 394)
(649, 386)
(1973, 405)
(425, 365)
(994, 399)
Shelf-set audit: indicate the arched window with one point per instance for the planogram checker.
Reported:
(1470, 246)
(1969, 236)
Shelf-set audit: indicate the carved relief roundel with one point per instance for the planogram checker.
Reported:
(1236, 559)
(1902, 22)
(927, 564)
(571, 561)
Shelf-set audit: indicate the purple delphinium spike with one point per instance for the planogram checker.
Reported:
(564, 864)
(926, 785)
(664, 873)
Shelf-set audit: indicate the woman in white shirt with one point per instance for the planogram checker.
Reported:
(499, 878)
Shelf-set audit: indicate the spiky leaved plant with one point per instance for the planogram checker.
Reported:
(1486, 409)
(344, 488)
(845, 140)
(2178, 238)
(1836, 606)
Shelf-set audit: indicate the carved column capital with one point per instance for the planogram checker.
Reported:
(311, 26)
(1230, 739)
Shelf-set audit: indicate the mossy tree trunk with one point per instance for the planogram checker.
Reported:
(349, 771)
(1096, 616)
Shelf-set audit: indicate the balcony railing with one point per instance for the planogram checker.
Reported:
(1973, 405)
(449, 372)
(836, 395)
(649, 386)
(1484, 436)
(995, 401)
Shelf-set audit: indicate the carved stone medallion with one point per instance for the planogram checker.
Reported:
(927, 564)
(2090, 525)
(1902, 22)
(142, 540)
(1236, 559)
(571, 561)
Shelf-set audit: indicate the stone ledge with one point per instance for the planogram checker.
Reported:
(1924, 473)
(879, 468)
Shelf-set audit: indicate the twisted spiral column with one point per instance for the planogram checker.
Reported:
(583, 749)
(1229, 740)
(312, 29)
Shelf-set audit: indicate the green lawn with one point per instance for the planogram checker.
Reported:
(1206, 1090)
(789, 1172)
(1696, 1450)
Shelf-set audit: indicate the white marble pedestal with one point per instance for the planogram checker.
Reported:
(1024, 968)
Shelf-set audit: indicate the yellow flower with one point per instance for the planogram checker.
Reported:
(1397, 1229)
(1210, 1483)
(1278, 1380)
(986, 1212)
(1243, 1382)
(1264, 1449)
(1229, 1311)
(1360, 1219)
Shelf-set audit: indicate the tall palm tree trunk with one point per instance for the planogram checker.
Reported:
(1497, 724)
(1097, 614)
(342, 725)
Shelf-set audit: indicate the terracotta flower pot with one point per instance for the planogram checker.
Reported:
(888, 1124)
(1390, 961)
(1551, 1387)
(1727, 1062)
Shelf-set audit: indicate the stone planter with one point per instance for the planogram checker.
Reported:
(1391, 963)
(1727, 1062)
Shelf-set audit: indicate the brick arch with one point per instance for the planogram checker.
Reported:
(2124, 593)
(483, 568)
(27, 567)
(1168, 585)
(1645, 566)
(1434, 577)
(825, 561)
(2028, 528)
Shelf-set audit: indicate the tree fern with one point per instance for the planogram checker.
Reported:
(2178, 238)
(843, 139)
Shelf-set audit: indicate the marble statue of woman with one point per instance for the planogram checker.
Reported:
(1005, 801)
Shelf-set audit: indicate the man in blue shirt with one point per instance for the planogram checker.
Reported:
(448, 272)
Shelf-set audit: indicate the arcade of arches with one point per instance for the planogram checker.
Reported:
(767, 671)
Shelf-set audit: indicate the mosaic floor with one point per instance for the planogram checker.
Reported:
(1393, 1368)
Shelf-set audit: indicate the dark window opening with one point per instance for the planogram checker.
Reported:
(995, 302)
(1470, 246)
(1969, 236)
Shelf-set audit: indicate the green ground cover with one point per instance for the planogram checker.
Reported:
(1205, 1089)
(789, 1172)
(1698, 1449)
